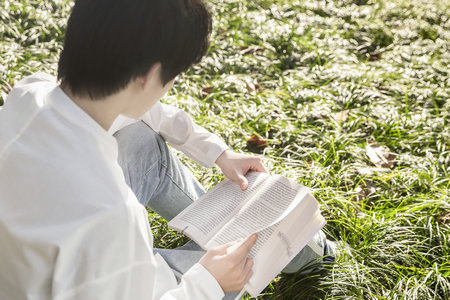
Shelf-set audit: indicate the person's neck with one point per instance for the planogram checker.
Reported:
(103, 111)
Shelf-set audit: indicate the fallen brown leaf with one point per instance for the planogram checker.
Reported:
(252, 87)
(444, 218)
(250, 50)
(380, 156)
(365, 191)
(256, 144)
(310, 163)
(373, 56)
(206, 91)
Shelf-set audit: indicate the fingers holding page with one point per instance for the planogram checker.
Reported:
(235, 166)
(230, 264)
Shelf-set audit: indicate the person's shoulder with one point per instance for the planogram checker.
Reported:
(33, 84)
(29, 94)
(36, 78)
(23, 104)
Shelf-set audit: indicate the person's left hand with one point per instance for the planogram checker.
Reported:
(235, 165)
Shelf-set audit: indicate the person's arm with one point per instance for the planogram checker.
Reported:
(181, 132)
(111, 257)
(227, 265)
(236, 165)
(177, 127)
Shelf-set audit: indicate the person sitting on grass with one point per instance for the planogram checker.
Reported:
(81, 157)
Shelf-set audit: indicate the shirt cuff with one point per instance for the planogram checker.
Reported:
(210, 287)
(206, 155)
(215, 152)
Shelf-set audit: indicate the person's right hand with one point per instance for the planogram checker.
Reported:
(230, 265)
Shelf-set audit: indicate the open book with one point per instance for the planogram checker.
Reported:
(282, 212)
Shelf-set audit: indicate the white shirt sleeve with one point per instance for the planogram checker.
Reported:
(126, 269)
(196, 283)
(180, 131)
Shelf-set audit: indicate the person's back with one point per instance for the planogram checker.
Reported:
(63, 197)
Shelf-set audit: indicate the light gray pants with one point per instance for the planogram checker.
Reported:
(161, 182)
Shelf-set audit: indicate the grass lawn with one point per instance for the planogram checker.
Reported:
(352, 98)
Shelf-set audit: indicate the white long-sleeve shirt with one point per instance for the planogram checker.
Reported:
(177, 127)
(70, 227)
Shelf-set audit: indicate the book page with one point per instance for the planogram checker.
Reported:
(284, 242)
(282, 212)
(201, 220)
(271, 203)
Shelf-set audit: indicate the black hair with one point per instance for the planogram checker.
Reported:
(109, 43)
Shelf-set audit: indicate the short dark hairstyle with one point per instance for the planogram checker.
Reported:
(109, 43)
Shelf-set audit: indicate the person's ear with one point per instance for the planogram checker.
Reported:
(152, 76)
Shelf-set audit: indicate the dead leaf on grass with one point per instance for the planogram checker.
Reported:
(444, 218)
(250, 50)
(365, 191)
(256, 144)
(373, 56)
(206, 91)
(380, 156)
(310, 164)
(252, 86)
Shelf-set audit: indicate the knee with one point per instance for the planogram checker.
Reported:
(138, 143)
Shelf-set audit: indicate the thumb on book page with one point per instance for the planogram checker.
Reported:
(243, 247)
(224, 249)
(243, 182)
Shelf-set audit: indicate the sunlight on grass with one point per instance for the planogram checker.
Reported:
(285, 70)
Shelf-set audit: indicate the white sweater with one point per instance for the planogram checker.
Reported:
(70, 227)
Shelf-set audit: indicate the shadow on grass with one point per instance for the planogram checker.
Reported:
(307, 283)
